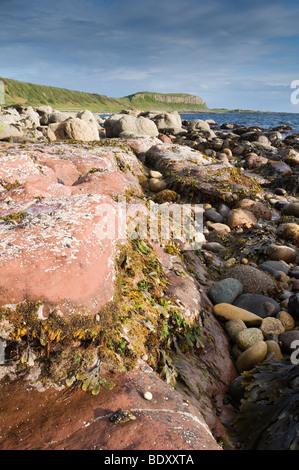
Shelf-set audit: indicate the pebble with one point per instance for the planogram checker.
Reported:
(291, 209)
(240, 218)
(293, 306)
(253, 355)
(148, 396)
(155, 174)
(247, 337)
(261, 305)
(282, 253)
(271, 326)
(225, 291)
(273, 349)
(287, 320)
(286, 340)
(230, 312)
(213, 215)
(218, 227)
(215, 247)
(277, 265)
(294, 272)
(157, 185)
(253, 280)
(233, 328)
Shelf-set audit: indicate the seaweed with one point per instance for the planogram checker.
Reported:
(268, 415)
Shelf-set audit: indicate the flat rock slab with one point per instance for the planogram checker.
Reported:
(74, 420)
(51, 244)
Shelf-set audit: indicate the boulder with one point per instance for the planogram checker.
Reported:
(120, 123)
(8, 131)
(168, 121)
(201, 126)
(73, 129)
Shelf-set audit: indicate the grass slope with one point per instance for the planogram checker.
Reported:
(29, 94)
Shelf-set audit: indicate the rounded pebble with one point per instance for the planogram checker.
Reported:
(273, 349)
(246, 338)
(271, 326)
(148, 396)
(249, 358)
(233, 328)
(286, 319)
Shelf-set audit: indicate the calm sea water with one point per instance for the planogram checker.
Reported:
(263, 120)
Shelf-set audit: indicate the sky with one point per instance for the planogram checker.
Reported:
(233, 54)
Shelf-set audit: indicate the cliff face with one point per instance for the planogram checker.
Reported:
(170, 98)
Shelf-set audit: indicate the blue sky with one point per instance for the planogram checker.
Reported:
(233, 54)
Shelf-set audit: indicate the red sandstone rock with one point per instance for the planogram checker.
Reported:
(74, 420)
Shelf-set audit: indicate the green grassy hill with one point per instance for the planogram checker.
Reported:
(29, 94)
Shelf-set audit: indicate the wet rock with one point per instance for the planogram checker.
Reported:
(261, 305)
(225, 291)
(253, 161)
(247, 337)
(252, 356)
(253, 280)
(271, 326)
(231, 312)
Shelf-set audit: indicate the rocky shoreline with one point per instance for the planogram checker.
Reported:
(98, 323)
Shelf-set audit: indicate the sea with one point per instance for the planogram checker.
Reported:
(248, 119)
(262, 120)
